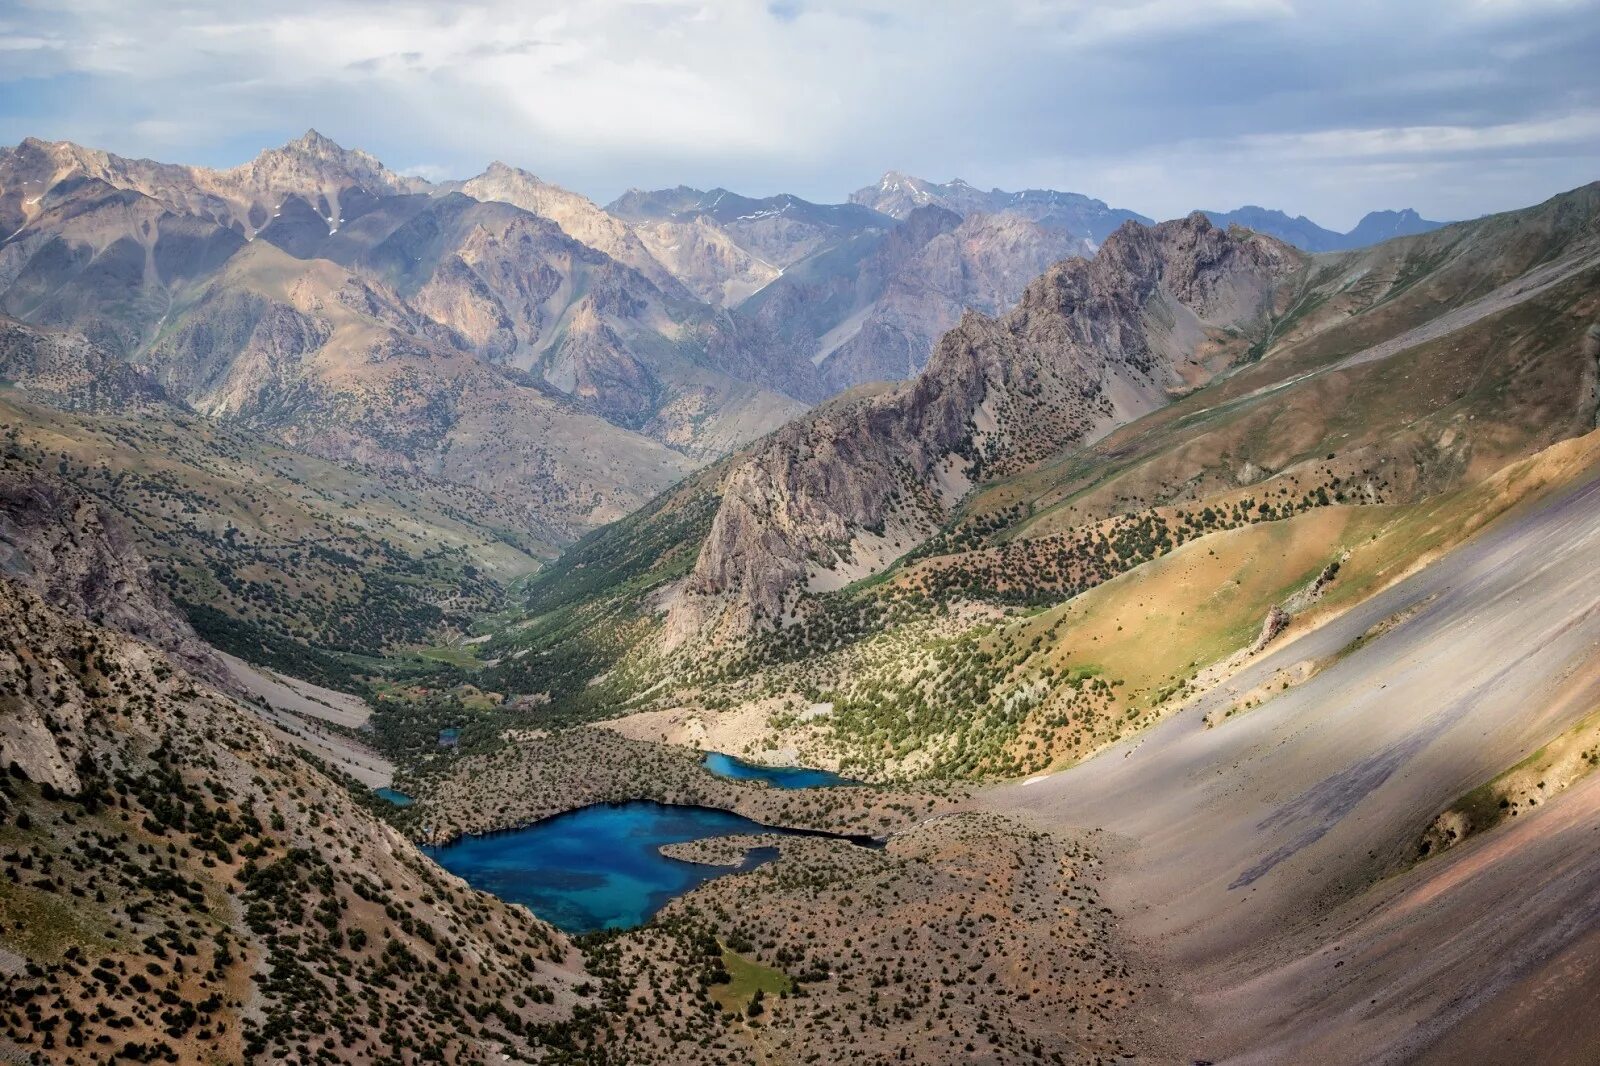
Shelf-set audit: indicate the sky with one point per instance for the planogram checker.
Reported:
(1328, 109)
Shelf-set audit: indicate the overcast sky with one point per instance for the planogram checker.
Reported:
(1455, 107)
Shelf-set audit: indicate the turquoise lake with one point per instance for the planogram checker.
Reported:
(597, 867)
(399, 799)
(776, 776)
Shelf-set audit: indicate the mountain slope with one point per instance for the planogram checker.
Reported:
(579, 217)
(726, 247)
(180, 886)
(1273, 854)
(277, 556)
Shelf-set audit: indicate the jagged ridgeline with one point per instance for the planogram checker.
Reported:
(898, 559)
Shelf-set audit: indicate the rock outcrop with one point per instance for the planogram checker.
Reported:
(1092, 344)
(1276, 621)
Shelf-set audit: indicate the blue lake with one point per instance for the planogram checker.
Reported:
(399, 799)
(597, 867)
(776, 776)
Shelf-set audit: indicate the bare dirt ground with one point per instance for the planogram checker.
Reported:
(1269, 859)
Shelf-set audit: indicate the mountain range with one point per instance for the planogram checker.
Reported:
(1374, 227)
(899, 194)
(1197, 623)
(503, 337)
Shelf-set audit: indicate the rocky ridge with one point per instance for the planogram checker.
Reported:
(837, 495)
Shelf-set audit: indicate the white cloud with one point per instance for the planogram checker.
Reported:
(1125, 99)
(1582, 128)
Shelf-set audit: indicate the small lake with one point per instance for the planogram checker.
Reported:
(597, 867)
(399, 799)
(776, 776)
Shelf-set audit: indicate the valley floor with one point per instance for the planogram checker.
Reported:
(1271, 857)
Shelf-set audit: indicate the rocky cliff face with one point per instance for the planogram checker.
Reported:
(839, 494)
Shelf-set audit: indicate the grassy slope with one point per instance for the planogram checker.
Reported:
(745, 979)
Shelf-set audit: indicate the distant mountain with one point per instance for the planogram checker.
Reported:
(872, 308)
(725, 246)
(580, 218)
(1298, 231)
(335, 184)
(1305, 234)
(1377, 226)
(898, 194)
(314, 296)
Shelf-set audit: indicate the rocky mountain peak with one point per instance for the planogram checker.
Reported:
(314, 142)
(898, 194)
(313, 159)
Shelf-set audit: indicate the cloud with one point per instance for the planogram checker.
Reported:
(1158, 105)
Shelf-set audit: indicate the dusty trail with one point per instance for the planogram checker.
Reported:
(1259, 850)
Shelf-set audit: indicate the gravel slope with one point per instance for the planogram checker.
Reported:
(1268, 857)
